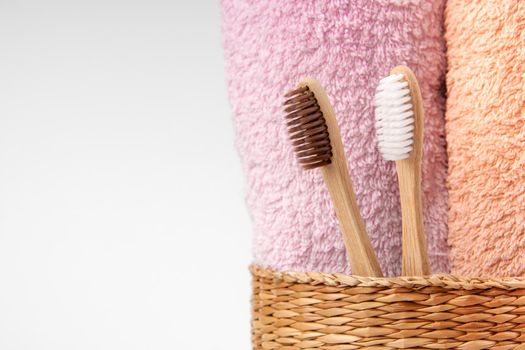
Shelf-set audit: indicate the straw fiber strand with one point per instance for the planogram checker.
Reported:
(298, 311)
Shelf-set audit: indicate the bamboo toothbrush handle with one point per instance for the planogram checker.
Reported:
(415, 258)
(361, 256)
(359, 250)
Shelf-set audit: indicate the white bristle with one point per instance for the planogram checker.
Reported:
(394, 117)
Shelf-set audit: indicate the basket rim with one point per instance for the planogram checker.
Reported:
(417, 282)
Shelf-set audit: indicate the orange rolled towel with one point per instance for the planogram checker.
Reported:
(485, 126)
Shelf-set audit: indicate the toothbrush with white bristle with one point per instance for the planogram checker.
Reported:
(399, 128)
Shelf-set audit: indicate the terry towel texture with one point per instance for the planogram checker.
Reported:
(269, 46)
(485, 124)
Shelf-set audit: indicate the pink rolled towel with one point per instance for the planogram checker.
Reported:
(348, 46)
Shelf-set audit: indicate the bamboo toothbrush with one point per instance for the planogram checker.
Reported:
(399, 127)
(316, 140)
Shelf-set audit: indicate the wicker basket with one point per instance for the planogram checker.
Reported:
(298, 311)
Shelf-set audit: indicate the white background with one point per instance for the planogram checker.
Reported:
(122, 219)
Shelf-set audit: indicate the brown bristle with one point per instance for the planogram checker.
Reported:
(307, 128)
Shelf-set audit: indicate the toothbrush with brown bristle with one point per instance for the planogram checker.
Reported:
(399, 128)
(316, 140)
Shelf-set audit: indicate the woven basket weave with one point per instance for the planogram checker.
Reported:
(302, 311)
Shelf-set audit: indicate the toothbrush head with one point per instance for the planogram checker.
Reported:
(394, 117)
(307, 128)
